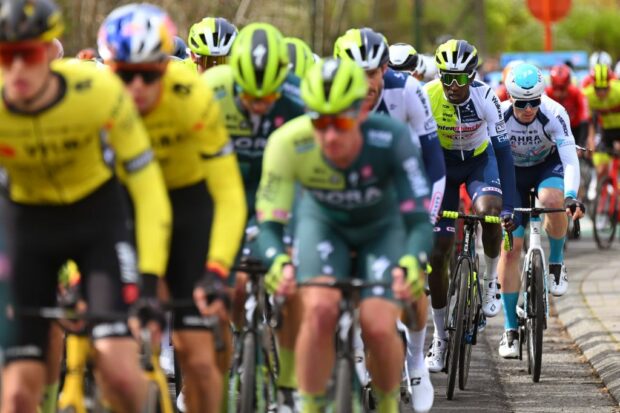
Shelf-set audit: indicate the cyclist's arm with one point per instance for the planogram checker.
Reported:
(413, 191)
(224, 183)
(145, 183)
(503, 152)
(422, 122)
(565, 142)
(275, 195)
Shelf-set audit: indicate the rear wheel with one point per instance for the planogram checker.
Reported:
(536, 316)
(248, 374)
(605, 213)
(456, 322)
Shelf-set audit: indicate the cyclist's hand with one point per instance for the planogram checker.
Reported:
(211, 295)
(280, 279)
(147, 312)
(508, 222)
(574, 208)
(408, 279)
(77, 327)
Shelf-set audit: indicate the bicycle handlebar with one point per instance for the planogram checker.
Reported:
(489, 219)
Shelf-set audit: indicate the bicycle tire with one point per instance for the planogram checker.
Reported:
(152, 404)
(469, 330)
(344, 386)
(536, 315)
(248, 372)
(456, 333)
(606, 207)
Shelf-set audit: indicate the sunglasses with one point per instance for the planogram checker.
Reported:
(340, 122)
(267, 99)
(207, 62)
(522, 104)
(461, 79)
(149, 73)
(31, 53)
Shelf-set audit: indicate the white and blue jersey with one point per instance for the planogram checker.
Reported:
(404, 99)
(543, 140)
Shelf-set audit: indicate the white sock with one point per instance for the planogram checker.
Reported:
(415, 349)
(438, 320)
(491, 268)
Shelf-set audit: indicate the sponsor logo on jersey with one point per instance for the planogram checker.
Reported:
(500, 127)
(349, 198)
(7, 151)
(407, 205)
(525, 140)
(250, 146)
(416, 177)
(380, 138)
(491, 189)
(304, 144)
(564, 127)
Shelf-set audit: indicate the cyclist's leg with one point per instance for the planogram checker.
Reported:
(438, 280)
(323, 254)
(194, 344)
(376, 259)
(53, 362)
(115, 352)
(484, 188)
(33, 285)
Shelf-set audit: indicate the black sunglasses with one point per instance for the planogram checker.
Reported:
(522, 104)
(148, 76)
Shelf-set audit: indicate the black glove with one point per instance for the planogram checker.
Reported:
(572, 204)
(215, 287)
(508, 223)
(148, 309)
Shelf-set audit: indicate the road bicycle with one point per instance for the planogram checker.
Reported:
(606, 209)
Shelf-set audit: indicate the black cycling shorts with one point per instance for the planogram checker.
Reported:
(94, 232)
(192, 212)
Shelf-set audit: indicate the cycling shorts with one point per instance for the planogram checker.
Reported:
(192, 213)
(94, 232)
(323, 247)
(480, 176)
(549, 174)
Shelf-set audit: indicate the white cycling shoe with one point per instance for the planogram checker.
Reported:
(422, 392)
(435, 359)
(491, 298)
(509, 344)
(558, 279)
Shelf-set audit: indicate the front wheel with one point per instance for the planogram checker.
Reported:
(344, 386)
(248, 374)
(535, 315)
(605, 213)
(470, 320)
(457, 312)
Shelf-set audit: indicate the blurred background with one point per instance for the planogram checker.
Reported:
(493, 26)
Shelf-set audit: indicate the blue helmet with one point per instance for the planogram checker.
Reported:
(180, 48)
(525, 81)
(136, 33)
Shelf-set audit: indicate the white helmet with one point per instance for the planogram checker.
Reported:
(404, 57)
(601, 57)
(525, 81)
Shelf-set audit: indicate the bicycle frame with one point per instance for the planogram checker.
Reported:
(535, 244)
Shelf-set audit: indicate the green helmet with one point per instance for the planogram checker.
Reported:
(299, 55)
(259, 59)
(212, 36)
(456, 56)
(332, 86)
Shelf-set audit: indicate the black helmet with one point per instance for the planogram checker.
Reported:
(30, 20)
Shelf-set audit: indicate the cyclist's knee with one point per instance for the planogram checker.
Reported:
(22, 384)
(321, 315)
(377, 324)
(551, 198)
(488, 205)
(117, 362)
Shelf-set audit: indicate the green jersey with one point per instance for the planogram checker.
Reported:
(250, 132)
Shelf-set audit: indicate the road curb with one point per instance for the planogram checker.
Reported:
(591, 336)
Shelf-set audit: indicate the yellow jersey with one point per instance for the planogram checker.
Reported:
(192, 144)
(608, 108)
(64, 152)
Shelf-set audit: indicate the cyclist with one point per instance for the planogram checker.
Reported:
(60, 123)
(597, 58)
(603, 96)
(202, 177)
(350, 163)
(545, 158)
(210, 41)
(299, 56)
(401, 96)
(502, 93)
(472, 133)
(404, 58)
(258, 95)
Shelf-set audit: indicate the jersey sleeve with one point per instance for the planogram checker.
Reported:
(561, 134)
(503, 153)
(223, 179)
(413, 192)
(276, 192)
(145, 183)
(422, 123)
